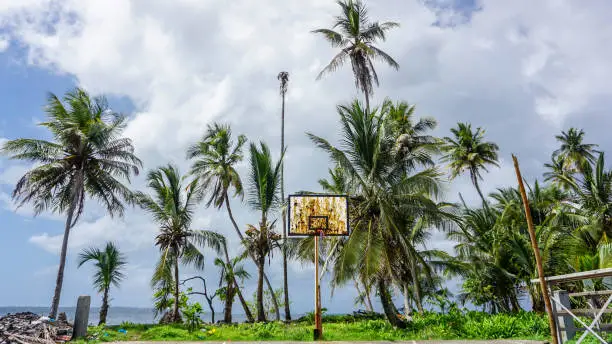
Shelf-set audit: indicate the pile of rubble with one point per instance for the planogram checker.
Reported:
(30, 328)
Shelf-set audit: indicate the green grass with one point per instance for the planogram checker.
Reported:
(590, 339)
(456, 325)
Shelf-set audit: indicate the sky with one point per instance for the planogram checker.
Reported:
(523, 70)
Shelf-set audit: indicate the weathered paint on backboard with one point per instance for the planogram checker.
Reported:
(309, 212)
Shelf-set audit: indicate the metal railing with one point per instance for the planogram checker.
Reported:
(565, 316)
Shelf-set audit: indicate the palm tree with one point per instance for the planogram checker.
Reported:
(263, 196)
(283, 77)
(573, 151)
(593, 207)
(109, 264)
(387, 195)
(413, 140)
(172, 205)
(86, 157)
(494, 244)
(231, 272)
(216, 156)
(467, 151)
(558, 173)
(356, 37)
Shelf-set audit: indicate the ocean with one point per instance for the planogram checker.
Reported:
(116, 315)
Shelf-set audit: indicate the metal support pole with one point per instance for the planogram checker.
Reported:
(318, 330)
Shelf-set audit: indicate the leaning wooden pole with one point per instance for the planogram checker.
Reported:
(536, 251)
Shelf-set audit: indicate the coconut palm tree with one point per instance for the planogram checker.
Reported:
(593, 207)
(172, 205)
(387, 194)
(558, 174)
(264, 184)
(413, 138)
(215, 158)
(573, 151)
(231, 272)
(467, 151)
(283, 77)
(356, 36)
(109, 264)
(87, 157)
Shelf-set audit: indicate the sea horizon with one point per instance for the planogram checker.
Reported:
(116, 314)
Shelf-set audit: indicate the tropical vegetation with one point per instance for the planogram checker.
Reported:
(452, 325)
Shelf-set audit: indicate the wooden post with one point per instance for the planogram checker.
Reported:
(567, 329)
(318, 330)
(81, 317)
(534, 244)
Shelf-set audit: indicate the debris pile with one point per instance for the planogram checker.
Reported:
(30, 328)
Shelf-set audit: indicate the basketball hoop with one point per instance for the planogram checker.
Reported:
(318, 216)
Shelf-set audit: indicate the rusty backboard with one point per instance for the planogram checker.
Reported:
(311, 214)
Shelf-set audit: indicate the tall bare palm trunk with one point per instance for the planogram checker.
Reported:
(60, 271)
(77, 185)
(265, 277)
(282, 186)
(176, 317)
(104, 307)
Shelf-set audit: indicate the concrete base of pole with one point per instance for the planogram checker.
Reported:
(81, 317)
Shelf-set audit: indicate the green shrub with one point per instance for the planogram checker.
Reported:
(165, 333)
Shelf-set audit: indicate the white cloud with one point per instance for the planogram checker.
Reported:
(134, 233)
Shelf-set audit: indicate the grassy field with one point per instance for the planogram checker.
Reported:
(455, 325)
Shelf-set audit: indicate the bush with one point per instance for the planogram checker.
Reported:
(165, 333)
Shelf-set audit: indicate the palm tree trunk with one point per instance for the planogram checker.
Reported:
(60, 272)
(245, 307)
(474, 179)
(367, 101)
(274, 300)
(417, 287)
(78, 184)
(261, 313)
(282, 185)
(388, 306)
(229, 300)
(104, 307)
(407, 306)
(175, 313)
